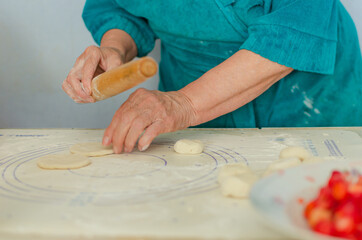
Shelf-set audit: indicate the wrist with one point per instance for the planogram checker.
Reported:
(192, 114)
(120, 41)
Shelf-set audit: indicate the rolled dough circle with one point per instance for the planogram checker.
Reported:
(91, 149)
(187, 146)
(63, 161)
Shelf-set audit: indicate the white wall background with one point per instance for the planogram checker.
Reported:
(39, 42)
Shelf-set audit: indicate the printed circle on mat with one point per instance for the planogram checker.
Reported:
(133, 178)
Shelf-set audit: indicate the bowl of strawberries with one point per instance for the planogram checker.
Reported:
(313, 201)
(337, 209)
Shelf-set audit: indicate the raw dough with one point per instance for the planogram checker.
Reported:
(63, 161)
(313, 160)
(236, 180)
(91, 149)
(187, 146)
(237, 186)
(281, 164)
(291, 152)
(234, 169)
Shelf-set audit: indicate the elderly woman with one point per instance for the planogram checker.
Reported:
(225, 63)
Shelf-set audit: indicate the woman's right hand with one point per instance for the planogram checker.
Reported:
(93, 61)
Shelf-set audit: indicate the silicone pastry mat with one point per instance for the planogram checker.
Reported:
(153, 194)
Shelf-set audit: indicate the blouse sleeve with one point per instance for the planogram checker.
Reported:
(301, 34)
(102, 16)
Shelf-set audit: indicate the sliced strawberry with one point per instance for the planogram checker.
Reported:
(317, 215)
(325, 198)
(324, 227)
(336, 176)
(355, 189)
(358, 231)
(345, 218)
(310, 206)
(359, 182)
(344, 225)
(339, 190)
(337, 210)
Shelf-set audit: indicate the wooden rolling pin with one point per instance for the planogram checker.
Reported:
(122, 78)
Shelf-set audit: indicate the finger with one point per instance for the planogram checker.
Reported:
(77, 87)
(121, 130)
(136, 129)
(69, 91)
(75, 77)
(108, 133)
(151, 132)
(88, 73)
(74, 81)
(119, 135)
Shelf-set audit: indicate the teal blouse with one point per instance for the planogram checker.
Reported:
(316, 38)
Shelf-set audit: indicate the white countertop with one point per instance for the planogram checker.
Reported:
(150, 195)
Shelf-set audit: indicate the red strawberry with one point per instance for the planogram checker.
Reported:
(310, 206)
(317, 215)
(324, 227)
(339, 190)
(336, 176)
(337, 210)
(345, 218)
(325, 198)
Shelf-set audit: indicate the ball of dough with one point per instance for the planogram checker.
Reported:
(63, 161)
(291, 152)
(187, 146)
(234, 169)
(282, 164)
(91, 149)
(237, 186)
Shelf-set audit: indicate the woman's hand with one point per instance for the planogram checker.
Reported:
(91, 63)
(153, 111)
(117, 48)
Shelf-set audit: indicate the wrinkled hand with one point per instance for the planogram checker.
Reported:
(153, 111)
(91, 63)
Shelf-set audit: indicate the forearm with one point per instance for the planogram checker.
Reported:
(121, 41)
(232, 84)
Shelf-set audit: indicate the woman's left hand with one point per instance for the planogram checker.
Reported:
(153, 111)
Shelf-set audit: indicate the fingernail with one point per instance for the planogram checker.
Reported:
(115, 150)
(144, 148)
(106, 141)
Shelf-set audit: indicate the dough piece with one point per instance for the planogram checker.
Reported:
(291, 152)
(91, 149)
(236, 180)
(63, 161)
(231, 170)
(313, 160)
(237, 186)
(187, 146)
(282, 164)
